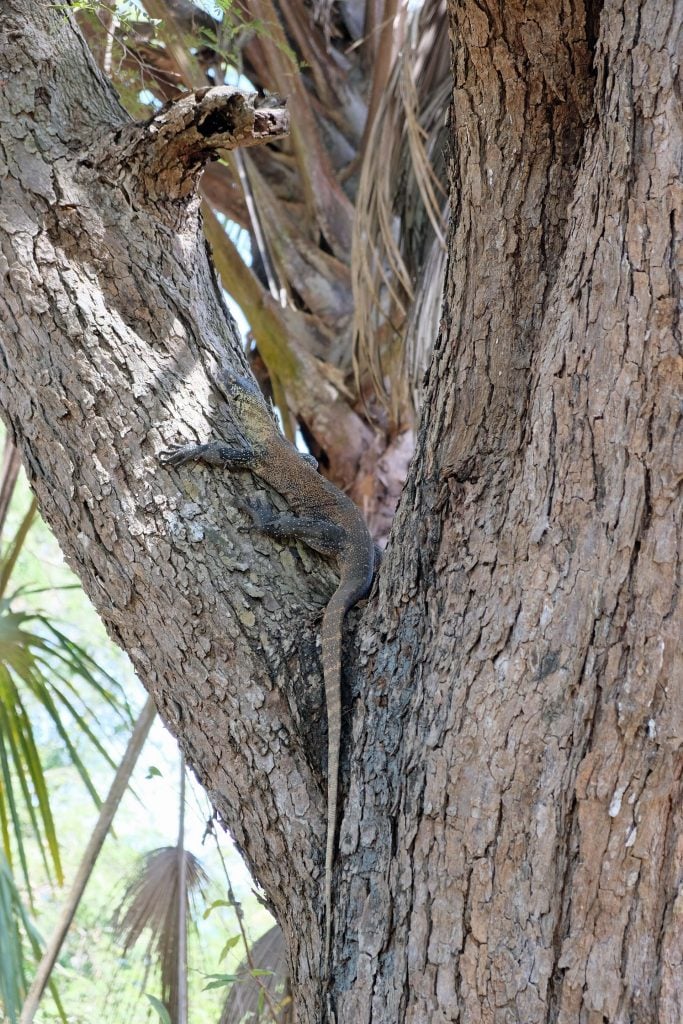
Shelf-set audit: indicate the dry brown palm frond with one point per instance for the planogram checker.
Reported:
(400, 206)
(245, 999)
(151, 902)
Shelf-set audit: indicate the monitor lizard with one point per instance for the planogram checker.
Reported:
(326, 520)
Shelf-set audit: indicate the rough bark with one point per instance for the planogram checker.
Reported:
(510, 848)
(112, 330)
(517, 769)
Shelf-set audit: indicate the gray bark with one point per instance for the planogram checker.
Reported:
(519, 744)
(510, 848)
(113, 331)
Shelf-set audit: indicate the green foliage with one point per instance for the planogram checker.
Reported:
(12, 916)
(43, 673)
(127, 12)
(133, 35)
(216, 903)
(164, 1015)
(230, 944)
(47, 681)
(223, 980)
(220, 981)
(227, 41)
(16, 923)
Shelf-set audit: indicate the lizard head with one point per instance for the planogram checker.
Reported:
(250, 406)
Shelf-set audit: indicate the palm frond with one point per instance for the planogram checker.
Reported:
(39, 667)
(401, 203)
(245, 998)
(20, 763)
(17, 931)
(150, 903)
(14, 919)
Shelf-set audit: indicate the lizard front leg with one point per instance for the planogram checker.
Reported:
(215, 453)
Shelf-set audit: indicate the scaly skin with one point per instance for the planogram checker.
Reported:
(327, 521)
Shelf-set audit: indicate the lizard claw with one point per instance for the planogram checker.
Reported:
(257, 509)
(178, 456)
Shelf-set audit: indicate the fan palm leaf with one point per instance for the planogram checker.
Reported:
(245, 999)
(150, 904)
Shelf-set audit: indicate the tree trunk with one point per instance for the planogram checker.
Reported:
(510, 845)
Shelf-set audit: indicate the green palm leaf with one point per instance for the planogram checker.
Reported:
(44, 675)
(47, 669)
(15, 734)
(15, 921)
(12, 976)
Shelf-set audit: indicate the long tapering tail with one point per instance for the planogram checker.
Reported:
(354, 584)
(332, 625)
(345, 596)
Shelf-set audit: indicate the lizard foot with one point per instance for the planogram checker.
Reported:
(180, 455)
(258, 510)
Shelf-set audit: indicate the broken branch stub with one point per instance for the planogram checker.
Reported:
(165, 154)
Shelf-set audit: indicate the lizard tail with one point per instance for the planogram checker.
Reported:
(332, 625)
(333, 621)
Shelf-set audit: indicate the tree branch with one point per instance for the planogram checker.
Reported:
(162, 157)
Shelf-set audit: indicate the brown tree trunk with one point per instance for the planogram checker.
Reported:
(510, 846)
